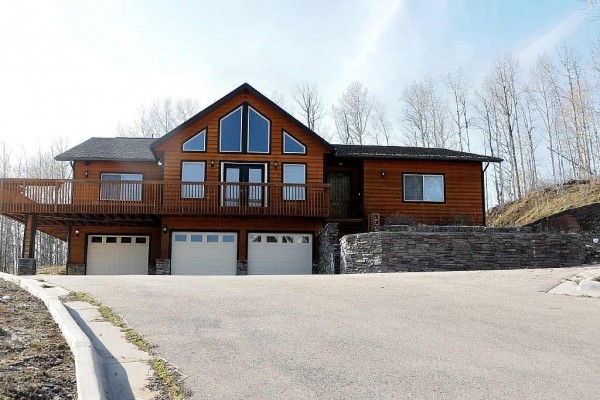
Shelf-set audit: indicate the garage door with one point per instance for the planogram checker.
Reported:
(204, 253)
(117, 255)
(279, 253)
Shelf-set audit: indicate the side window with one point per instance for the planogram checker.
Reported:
(423, 188)
(196, 142)
(295, 174)
(114, 189)
(259, 129)
(192, 171)
(291, 145)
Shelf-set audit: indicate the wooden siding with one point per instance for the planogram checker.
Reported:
(241, 226)
(78, 243)
(463, 182)
(172, 154)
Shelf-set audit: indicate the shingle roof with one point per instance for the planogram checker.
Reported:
(408, 153)
(119, 148)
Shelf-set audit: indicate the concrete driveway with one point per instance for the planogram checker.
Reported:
(488, 334)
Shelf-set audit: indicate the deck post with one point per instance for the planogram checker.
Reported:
(26, 265)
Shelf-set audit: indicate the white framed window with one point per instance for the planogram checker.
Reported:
(230, 132)
(295, 174)
(259, 128)
(196, 143)
(192, 171)
(114, 189)
(291, 145)
(424, 188)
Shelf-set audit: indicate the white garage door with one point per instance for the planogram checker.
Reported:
(117, 255)
(204, 253)
(279, 253)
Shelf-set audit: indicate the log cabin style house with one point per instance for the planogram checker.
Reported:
(240, 188)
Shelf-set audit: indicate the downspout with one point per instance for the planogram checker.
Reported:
(483, 197)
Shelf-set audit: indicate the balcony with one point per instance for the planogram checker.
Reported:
(64, 200)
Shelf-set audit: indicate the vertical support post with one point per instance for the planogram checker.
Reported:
(29, 236)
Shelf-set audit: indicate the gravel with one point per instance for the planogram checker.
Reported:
(35, 360)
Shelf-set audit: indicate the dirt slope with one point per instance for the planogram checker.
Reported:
(559, 206)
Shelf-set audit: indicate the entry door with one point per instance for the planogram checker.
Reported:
(341, 194)
(244, 195)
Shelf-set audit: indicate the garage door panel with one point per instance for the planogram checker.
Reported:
(117, 255)
(279, 253)
(204, 253)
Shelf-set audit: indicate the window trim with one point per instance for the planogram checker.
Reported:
(102, 173)
(289, 183)
(199, 183)
(241, 150)
(248, 108)
(423, 174)
(285, 133)
(203, 130)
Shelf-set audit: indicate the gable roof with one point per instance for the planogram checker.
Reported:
(242, 88)
(105, 149)
(408, 153)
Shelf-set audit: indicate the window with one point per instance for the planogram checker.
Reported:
(196, 238)
(255, 238)
(111, 239)
(140, 240)
(272, 239)
(228, 238)
(192, 172)
(180, 238)
(258, 132)
(250, 136)
(115, 190)
(427, 188)
(212, 238)
(196, 142)
(230, 132)
(304, 239)
(295, 174)
(126, 239)
(291, 145)
(96, 239)
(287, 239)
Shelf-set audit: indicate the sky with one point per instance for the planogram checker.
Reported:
(77, 69)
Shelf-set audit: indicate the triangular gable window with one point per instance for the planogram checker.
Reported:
(291, 145)
(196, 142)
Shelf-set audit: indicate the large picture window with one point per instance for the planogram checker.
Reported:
(424, 187)
(114, 189)
(192, 171)
(296, 174)
(244, 130)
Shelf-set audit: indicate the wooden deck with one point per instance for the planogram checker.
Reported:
(89, 199)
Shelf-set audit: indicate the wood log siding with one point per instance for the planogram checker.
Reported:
(463, 194)
(55, 196)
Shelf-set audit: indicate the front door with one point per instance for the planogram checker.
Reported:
(244, 195)
(341, 194)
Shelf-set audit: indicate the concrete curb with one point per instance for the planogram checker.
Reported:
(88, 372)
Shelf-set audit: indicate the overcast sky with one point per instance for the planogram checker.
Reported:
(79, 69)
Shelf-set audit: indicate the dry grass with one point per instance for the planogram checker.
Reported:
(52, 270)
(544, 203)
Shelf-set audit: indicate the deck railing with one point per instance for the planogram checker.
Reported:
(87, 196)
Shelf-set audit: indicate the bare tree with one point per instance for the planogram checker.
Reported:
(160, 118)
(352, 114)
(455, 82)
(309, 104)
(382, 126)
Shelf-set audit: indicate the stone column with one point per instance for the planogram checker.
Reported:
(163, 266)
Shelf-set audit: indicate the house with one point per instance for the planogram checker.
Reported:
(241, 187)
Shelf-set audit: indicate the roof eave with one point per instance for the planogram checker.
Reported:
(432, 158)
(59, 158)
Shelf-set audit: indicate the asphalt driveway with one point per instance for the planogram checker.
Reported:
(488, 334)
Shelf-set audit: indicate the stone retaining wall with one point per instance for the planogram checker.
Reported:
(329, 249)
(464, 249)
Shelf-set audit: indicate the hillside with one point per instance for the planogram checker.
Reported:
(574, 206)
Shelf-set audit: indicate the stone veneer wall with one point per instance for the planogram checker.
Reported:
(329, 249)
(25, 266)
(456, 248)
(75, 269)
(163, 266)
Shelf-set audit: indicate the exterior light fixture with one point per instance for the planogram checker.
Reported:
(160, 162)
(276, 164)
(382, 173)
(76, 232)
(212, 163)
(164, 229)
(86, 173)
